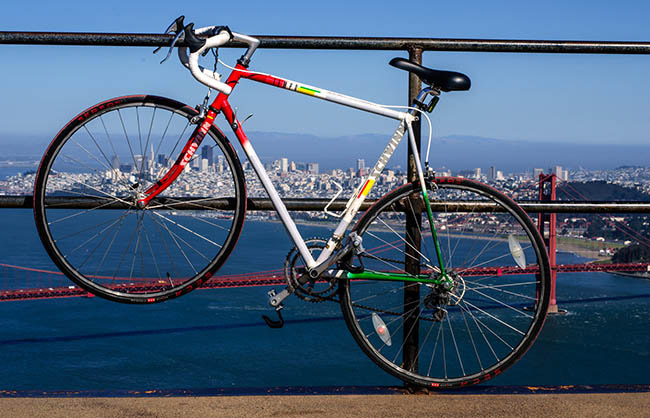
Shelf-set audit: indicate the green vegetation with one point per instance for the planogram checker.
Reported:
(599, 191)
(632, 254)
(588, 243)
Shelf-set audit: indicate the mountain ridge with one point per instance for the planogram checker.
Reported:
(457, 152)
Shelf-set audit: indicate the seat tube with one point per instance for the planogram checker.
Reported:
(279, 206)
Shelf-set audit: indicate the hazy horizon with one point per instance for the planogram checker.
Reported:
(456, 152)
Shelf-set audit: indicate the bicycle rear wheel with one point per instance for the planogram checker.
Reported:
(436, 336)
(89, 181)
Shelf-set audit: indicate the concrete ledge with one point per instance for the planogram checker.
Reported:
(394, 405)
(325, 391)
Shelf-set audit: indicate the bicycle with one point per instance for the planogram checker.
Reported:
(453, 300)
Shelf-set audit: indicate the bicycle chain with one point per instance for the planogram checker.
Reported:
(388, 260)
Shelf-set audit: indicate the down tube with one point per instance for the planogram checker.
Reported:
(279, 206)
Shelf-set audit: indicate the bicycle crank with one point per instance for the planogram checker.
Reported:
(307, 288)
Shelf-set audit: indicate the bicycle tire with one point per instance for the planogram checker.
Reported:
(459, 337)
(88, 183)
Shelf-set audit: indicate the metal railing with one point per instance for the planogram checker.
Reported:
(415, 48)
(293, 204)
(337, 42)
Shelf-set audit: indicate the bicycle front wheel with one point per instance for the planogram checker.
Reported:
(91, 177)
(457, 332)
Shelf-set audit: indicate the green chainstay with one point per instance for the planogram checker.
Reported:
(434, 235)
(408, 277)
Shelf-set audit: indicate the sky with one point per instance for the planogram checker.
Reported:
(583, 99)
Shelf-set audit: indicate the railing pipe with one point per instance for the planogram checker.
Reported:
(26, 202)
(341, 43)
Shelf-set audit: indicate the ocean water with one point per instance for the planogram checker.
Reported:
(216, 338)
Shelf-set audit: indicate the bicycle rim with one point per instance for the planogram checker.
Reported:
(86, 191)
(464, 330)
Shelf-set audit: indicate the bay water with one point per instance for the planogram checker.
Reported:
(217, 339)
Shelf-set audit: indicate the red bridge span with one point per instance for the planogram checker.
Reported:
(25, 283)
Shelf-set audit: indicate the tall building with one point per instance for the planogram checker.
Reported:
(138, 160)
(561, 173)
(361, 163)
(537, 172)
(492, 173)
(151, 157)
(477, 173)
(312, 168)
(206, 153)
(220, 161)
(284, 165)
(162, 159)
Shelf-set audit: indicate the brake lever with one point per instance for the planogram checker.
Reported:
(179, 37)
(177, 28)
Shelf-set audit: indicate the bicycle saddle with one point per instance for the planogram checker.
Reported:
(444, 80)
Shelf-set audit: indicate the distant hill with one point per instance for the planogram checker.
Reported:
(457, 152)
(599, 191)
(632, 254)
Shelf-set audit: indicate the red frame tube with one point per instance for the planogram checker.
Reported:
(220, 104)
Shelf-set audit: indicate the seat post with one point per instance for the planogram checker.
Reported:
(418, 101)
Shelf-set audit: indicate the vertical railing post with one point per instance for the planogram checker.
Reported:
(413, 223)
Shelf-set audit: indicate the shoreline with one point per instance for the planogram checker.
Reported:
(577, 250)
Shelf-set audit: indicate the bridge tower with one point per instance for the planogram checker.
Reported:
(547, 223)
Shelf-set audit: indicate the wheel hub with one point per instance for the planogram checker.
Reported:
(449, 292)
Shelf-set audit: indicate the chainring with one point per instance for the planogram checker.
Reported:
(314, 290)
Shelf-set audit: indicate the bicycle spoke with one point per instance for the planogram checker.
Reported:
(126, 136)
(471, 338)
(500, 302)
(137, 243)
(108, 136)
(187, 229)
(476, 322)
(453, 338)
(174, 236)
(105, 235)
(405, 242)
(101, 151)
(497, 288)
(83, 212)
(110, 245)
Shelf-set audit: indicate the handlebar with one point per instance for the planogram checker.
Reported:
(217, 36)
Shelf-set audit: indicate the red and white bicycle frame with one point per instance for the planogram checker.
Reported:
(221, 104)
